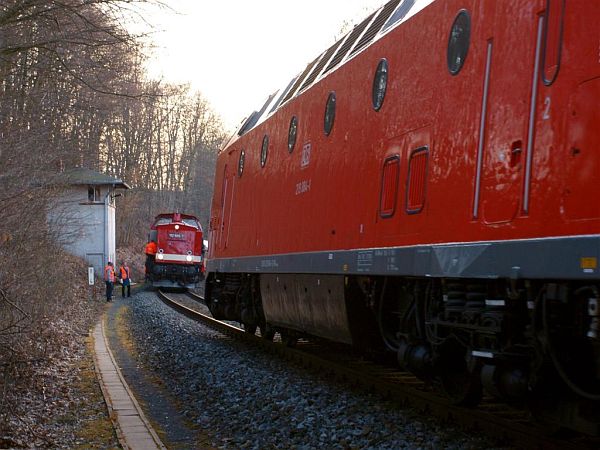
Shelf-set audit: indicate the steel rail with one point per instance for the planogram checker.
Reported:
(495, 419)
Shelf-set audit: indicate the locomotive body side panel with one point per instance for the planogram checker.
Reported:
(324, 196)
(310, 304)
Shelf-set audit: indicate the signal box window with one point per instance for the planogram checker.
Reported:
(417, 178)
(389, 186)
(94, 194)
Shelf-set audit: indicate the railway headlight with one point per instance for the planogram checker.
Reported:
(177, 227)
(188, 258)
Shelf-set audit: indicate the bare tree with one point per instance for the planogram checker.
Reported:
(73, 93)
(65, 66)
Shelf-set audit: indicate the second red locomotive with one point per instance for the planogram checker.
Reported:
(179, 251)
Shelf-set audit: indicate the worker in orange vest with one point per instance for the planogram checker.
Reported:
(109, 278)
(125, 279)
(150, 251)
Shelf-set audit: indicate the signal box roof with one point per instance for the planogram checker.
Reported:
(81, 175)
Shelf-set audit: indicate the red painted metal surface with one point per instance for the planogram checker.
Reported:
(178, 235)
(540, 143)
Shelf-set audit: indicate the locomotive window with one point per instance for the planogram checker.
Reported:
(163, 221)
(389, 186)
(264, 151)
(292, 132)
(241, 163)
(458, 42)
(417, 177)
(329, 113)
(380, 84)
(191, 223)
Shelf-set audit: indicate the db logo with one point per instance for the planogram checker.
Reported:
(305, 161)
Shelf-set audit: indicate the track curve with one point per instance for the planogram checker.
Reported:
(494, 419)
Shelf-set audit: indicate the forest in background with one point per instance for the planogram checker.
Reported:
(73, 93)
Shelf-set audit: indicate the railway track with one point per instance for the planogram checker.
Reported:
(511, 426)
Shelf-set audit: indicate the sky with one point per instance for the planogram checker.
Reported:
(237, 53)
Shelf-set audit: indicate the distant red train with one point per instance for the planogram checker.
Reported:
(431, 184)
(180, 251)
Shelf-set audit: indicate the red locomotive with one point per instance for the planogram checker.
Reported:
(179, 251)
(430, 184)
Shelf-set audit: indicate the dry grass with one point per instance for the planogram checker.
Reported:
(97, 429)
(47, 382)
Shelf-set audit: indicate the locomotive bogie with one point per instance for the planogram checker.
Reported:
(176, 275)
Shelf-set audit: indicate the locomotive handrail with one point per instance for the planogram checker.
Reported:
(546, 81)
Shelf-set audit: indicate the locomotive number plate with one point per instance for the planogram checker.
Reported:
(175, 235)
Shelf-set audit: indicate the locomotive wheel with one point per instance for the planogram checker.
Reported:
(267, 332)
(251, 329)
(462, 387)
(461, 381)
(289, 339)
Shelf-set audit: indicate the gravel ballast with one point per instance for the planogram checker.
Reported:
(244, 398)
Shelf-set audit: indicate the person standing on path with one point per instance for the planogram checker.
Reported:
(125, 279)
(150, 251)
(109, 278)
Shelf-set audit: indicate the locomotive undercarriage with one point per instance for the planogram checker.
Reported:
(174, 275)
(236, 297)
(534, 344)
(531, 344)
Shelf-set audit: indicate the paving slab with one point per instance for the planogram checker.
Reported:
(133, 429)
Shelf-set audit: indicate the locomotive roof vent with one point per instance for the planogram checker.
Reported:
(379, 22)
(255, 116)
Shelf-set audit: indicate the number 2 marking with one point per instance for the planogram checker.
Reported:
(547, 103)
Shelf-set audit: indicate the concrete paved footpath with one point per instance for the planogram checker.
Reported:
(133, 429)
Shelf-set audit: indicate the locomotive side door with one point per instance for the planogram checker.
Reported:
(506, 135)
(226, 207)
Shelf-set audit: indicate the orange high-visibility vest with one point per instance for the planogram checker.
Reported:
(124, 272)
(151, 248)
(109, 274)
